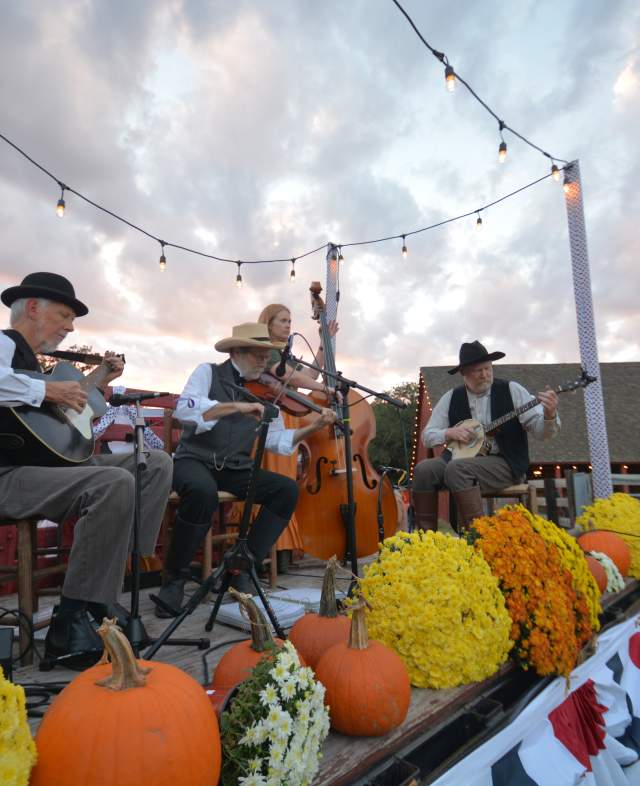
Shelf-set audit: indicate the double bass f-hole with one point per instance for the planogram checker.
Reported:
(363, 471)
(322, 460)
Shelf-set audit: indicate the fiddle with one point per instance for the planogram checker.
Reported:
(270, 388)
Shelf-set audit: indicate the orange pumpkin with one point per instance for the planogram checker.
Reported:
(610, 544)
(127, 723)
(313, 634)
(598, 572)
(237, 663)
(366, 683)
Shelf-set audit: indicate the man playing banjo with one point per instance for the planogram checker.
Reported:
(484, 399)
(98, 491)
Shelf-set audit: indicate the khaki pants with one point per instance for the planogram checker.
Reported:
(491, 473)
(101, 494)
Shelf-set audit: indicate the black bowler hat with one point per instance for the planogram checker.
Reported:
(50, 286)
(474, 353)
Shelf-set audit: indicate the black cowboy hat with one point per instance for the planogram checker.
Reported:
(472, 353)
(50, 286)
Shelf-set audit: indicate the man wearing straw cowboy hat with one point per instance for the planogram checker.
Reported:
(99, 491)
(215, 453)
(484, 399)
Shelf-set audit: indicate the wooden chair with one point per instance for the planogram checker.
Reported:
(27, 574)
(553, 500)
(218, 532)
(520, 492)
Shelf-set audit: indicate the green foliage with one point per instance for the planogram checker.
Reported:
(388, 446)
(235, 722)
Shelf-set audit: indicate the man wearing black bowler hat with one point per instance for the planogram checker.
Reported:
(100, 492)
(484, 399)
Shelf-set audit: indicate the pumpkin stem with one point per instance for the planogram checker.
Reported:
(261, 638)
(328, 604)
(126, 673)
(358, 636)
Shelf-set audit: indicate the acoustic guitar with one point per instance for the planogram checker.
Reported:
(51, 435)
(482, 442)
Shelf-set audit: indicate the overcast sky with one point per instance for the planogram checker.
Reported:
(252, 129)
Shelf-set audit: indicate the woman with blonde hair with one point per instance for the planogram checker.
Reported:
(277, 318)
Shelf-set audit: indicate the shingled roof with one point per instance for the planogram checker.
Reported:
(621, 390)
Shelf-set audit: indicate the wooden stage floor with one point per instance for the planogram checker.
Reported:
(345, 759)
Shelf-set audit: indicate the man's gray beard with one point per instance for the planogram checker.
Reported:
(51, 346)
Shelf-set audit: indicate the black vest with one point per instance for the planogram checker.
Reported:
(23, 358)
(228, 444)
(511, 437)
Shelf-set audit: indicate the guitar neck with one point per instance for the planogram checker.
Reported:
(94, 379)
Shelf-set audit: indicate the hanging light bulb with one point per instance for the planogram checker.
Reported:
(163, 263)
(450, 78)
(555, 173)
(502, 152)
(239, 277)
(479, 222)
(404, 248)
(340, 257)
(292, 275)
(60, 205)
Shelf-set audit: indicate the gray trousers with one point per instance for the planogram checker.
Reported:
(101, 494)
(491, 473)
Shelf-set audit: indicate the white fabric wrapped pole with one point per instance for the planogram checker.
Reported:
(331, 289)
(594, 404)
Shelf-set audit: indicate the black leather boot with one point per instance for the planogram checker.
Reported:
(71, 637)
(425, 510)
(111, 611)
(265, 530)
(185, 540)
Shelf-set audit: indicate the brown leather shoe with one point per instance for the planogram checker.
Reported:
(425, 510)
(468, 506)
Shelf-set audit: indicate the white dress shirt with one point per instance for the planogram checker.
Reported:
(194, 402)
(17, 389)
(533, 421)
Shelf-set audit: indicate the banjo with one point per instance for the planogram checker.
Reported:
(481, 444)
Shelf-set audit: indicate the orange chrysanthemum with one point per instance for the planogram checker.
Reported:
(550, 621)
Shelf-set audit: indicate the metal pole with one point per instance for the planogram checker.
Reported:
(593, 401)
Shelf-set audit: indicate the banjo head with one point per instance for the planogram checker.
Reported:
(461, 450)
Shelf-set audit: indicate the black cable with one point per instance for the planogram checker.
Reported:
(443, 59)
(22, 621)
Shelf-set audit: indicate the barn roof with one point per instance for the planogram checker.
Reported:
(621, 390)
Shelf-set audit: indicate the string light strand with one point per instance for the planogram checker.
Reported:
(451, 76)
(335, 247)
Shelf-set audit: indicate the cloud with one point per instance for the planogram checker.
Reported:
(254, 130)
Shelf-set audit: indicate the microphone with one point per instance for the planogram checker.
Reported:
(285, 354)
(131, 398)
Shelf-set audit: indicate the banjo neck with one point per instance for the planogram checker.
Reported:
(568, 387)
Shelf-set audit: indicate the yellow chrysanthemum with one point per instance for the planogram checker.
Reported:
(17, 748)
(435, 602)
(619, 513)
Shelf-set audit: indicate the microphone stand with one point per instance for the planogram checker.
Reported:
(134, 629)
(238, 557)
(348, 511)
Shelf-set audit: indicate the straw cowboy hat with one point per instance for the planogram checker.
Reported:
(472, 353)
(253, 335)
(49, 286)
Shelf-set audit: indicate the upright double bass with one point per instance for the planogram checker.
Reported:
(322, 506)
